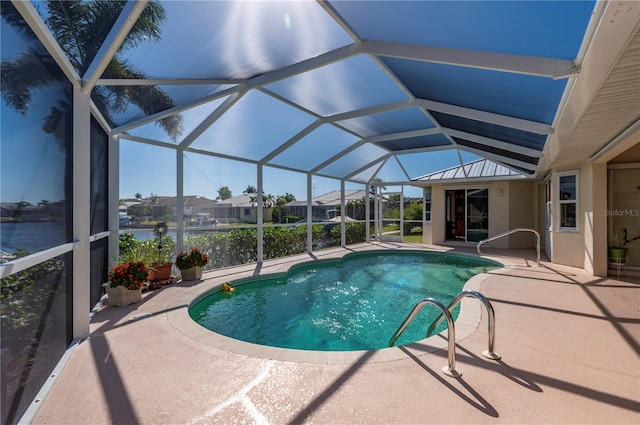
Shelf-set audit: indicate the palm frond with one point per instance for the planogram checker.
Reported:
(56, 122)
(12, 17)
(19, 77)
(70, 25)
(150, 99)
(146, 28)
(80, 27)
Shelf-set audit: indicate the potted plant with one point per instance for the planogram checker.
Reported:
(156, 255)
(158, 261)
(190, 264)
(158, 258)
(618, 252)
(125, 283)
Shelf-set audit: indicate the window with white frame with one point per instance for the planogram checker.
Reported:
(568, 201)
(427, 204)
(547, 202)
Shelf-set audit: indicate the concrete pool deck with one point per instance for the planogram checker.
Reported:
(570, 346)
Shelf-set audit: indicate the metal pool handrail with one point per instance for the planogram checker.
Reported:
(490, 353)
(509, 232)
(451, 333)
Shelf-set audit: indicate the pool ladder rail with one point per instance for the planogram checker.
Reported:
(450, 369)
(510, 232)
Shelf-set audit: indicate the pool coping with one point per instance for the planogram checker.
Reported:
(467, 321)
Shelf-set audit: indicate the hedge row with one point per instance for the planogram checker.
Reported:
(240, 246)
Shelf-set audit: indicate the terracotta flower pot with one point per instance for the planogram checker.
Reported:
(193, 273)
(121, 296)
(160, 272)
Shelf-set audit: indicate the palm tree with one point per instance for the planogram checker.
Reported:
(287, 197)
(281, 201)
(268, 200)
(250, 189)
(376, 182)
(80, 28)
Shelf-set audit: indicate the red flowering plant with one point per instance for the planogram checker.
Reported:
(192, 258)
(131, 275)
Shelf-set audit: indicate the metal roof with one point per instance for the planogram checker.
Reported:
(480, 169)
(363, 90)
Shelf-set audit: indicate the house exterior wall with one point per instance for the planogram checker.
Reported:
(595, 219)
(568, 248)
(522, 210)
(623, 210)
(521, 205)
(585, 247)
(433, 232)
(252, 216)
(511, 205)
(499, 213)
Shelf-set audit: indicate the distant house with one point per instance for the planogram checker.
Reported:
(8, 209)
(158, 207)
(327, 206)
(24, 211)
(126, 207)
(145, 209)
(238, 209)
(192, 207)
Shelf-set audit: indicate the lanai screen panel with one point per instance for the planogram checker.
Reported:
(319, 146)
(419, 164)
(492, 131)
(391, 171)
(191, 118)
(253, 127)
(535, 28)
(514, 95)
(435, 70)
(236, 40)
(351, 84)
(418, 142)
(397, 121)
(182, 96)
(353, 161)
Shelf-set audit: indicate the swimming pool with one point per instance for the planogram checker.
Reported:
(355, 303)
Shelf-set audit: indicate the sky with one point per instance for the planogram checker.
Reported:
(254, 126)
(31, 161)
(30, 170)
(148, 170)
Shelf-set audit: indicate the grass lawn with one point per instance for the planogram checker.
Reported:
(412, 238)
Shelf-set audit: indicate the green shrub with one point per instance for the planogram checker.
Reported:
(291, 219)
(132, 249)
(354, 233)
(240, 246)
(127, 241)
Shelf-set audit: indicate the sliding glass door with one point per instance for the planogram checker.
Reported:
(477, 214)
(467, 215)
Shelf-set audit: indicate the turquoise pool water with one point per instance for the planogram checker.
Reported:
(356, 303)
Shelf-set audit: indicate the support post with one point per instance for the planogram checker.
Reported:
(81, 211)
(260, 216)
